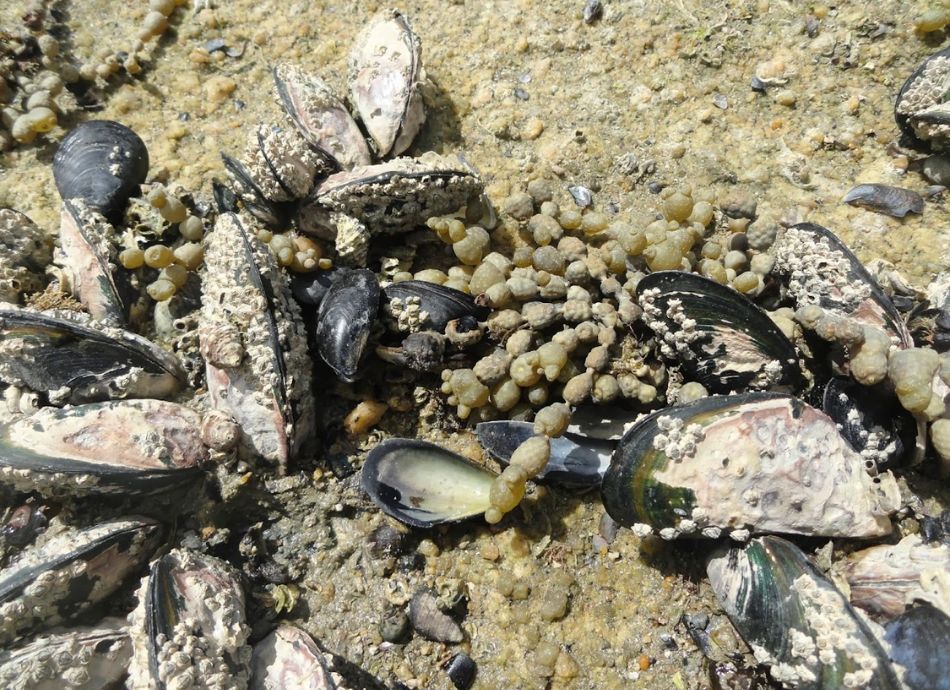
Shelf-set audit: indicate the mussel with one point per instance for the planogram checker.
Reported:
(385, 73)
(718, 336)
(756, 462)
(72, 362)
(423, 484)
(252, 339)
(53, 582)
(189, 628)
(320, 117)
(576, 460)
(289, 658)
(919, 640)
(125, 447)
(101, 163)
(794, 619)
(922, 109)
(346, 316)
(434, 305)
(78, 659)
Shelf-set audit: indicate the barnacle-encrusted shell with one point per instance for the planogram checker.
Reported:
(25, 250)
(102, 163)
(280, 163)
(822, 271)
(922, 109)
(756, 462)
(320, 117)
(76, 659)
(289, 658)
(71, 571)
(128, 446)
(385, 78)
(189, 628)
(794, 619)
(89, 253)
(246, 296)
(420, 305)
(717, 335)
(73, 362)
(391, 197)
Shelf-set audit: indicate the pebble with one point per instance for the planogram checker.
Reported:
(430, 622)
(395, 627)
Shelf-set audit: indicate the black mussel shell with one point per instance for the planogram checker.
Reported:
(57, 354)
(344, 321)
(920, 642)
(225, 199)
(309, 288)
(872, 421)
(602, 422)
(576, 461)
(906, 120)
(103, 163)
(273, 214)
(442, 304)
(838, 280)
(795, 620)
(423, 485)
(718, 336)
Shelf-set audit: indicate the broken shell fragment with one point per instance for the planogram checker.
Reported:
(78, 659)
(886, 199)
(320, 117)
(794, 619)
(922, 108)
(919, 640)
(717, 335)
(289, 658)
(821, 270)
(423, 484)
(385, 74)
(258, 369)
(123, 447)
(575, 461)
(189, 627)
(102, 163)
(344, 320)
(71, 571)
(755, 462)
(74, 363)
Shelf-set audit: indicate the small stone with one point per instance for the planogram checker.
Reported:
(395, 627)
(430, 622)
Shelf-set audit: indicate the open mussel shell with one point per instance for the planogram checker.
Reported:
(75, 363)
(884, 578)
(89, 251)
(576, 461)
(320, 117)
(873, 422)
(919, 641)
(922, 107)
(794, 619)
(119, 447)
(189, 624)
(346, 316)
(822, 270)
(756, 462)
(438, 304)
(423, 484)
(66, 574)
(385, 73)
(718, 336)
(77, 658)
(102, 163)
(289, 658)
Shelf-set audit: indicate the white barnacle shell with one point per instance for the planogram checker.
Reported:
(385, 78)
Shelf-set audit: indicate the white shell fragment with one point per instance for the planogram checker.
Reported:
(189, 628)
(385, 75)
(69, 572)
(128, 446)
(289, 658)
(76, 659)
(252, 338)
(745, 463)
(320, 117)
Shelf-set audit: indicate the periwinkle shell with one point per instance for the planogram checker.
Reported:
(103, 163)
(346, 316)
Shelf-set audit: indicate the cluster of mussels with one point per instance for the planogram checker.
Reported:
(670, 363)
